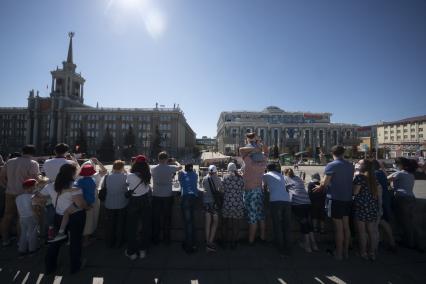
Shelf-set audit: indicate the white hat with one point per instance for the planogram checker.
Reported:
(232, 167)
(212, 169)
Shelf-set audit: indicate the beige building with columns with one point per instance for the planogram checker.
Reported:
(292, 132)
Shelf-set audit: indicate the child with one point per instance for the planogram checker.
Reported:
(318, 203)
(253, 149)
(28, 239)
(88, 186)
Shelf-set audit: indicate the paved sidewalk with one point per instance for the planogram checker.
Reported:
(258, 264)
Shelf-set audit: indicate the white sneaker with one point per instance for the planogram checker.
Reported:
(131, 256)
(142, 254)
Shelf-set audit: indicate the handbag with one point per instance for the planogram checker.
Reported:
(217, 195)
(129, 193)
(103, 192)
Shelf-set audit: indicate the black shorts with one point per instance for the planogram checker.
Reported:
(340, 209)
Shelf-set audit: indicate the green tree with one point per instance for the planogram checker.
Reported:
(106, 150)
(81, 141)
(156, 143)
(129, 147)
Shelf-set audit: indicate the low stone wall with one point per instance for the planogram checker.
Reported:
(177, 233)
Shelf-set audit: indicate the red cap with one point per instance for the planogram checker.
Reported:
(139, 159)
(87, 170)
(29, 182)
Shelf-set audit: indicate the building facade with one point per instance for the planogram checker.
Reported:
(63, 117)
(206, 144)
(404, 137)
(292, 132)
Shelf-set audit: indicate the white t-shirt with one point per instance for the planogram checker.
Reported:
(51, 167)
(24, 205)
(133, 181)
(64, 199)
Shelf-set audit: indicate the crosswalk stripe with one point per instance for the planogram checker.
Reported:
(98, 280)
(319, 280)
(195, 281)
(25, 278)
(281, 281)
(40, 277)
(58, 280)
(16, 275)
(336, 279)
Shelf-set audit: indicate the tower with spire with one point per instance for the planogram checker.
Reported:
(66, 83)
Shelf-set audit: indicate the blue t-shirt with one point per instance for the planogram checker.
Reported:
(342, 173)
(88, 186)
(188, 183)
(276, 185)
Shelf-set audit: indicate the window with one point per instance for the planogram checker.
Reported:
(413, 136)
(420, 135)
(405, 136)
(420, 129)
(398, 131)
(398, 137)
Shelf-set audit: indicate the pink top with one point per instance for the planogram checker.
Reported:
(253, 173)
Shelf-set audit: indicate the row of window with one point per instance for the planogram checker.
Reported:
(13, 116)
(392, 138)
(112, 117)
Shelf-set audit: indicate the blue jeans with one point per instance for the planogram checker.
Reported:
(188, 205)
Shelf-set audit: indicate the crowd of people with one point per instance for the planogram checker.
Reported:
(64, 203)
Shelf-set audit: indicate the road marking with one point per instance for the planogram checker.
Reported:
(281, 281)
(57, 280)
(25, 278)
(194, 281)
(40, 277)
(336, 279)
(319, 280)
(16, 275)
(98, 280)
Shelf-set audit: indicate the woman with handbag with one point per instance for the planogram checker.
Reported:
(212, 202)
(139, 208)
(114, 186)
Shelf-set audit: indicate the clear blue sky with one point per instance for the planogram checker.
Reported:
(362, 60)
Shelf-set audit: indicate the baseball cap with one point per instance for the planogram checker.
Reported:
(29, 182)
(139, 159)
(212, 169)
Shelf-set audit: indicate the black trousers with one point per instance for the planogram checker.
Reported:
(138, 211)
(302, 213)
(188, 203)
(281, 222)
(75, 228)
(115, 225)
(161, 218)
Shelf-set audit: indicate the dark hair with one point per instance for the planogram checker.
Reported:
(338, 150)
(163, 156)
(189, 167)
(28, 150)
(368, 169)
(141, 169)
(408, 165)
(272, 167)
(289, 172)
(14, 155)
(61, 148)
(65, 177)
(376, 165)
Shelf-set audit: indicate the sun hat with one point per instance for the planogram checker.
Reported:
(87, 170)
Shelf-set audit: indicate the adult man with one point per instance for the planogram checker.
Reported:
(51, 166)
(280, 205)
(253, 195)
(338, 184)
(12, 175)
(162, 197)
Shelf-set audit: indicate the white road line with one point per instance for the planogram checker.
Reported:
(98, 280)
(319, 280)
(57, 280)
(281, 281)
(16, 275)
(194, 281)
(25, 278)
(40, 277)
(336, 279)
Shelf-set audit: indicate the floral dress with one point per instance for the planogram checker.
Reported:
(366, 207)
(233, 203)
